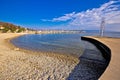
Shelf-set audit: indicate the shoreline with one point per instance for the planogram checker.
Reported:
(49, 51)
(16, 64)
(64, 56)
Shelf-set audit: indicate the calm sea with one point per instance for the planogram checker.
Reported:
(60, 43)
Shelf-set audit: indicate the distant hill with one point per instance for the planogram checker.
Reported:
(10, 28)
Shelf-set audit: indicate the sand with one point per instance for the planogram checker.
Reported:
(16, 64)
(113, 70)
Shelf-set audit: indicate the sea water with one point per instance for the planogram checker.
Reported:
(58, 43)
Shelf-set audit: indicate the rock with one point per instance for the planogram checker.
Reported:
(16, 49)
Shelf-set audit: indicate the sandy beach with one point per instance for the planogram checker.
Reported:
(16, 64)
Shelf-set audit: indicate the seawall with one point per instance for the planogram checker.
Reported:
(109, 48)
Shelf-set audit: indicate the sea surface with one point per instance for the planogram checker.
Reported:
(58, 43)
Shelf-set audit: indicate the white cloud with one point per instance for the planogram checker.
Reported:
(109, 10)
(89, 18)
(65, 17)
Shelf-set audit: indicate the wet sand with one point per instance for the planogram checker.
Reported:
(19, 64)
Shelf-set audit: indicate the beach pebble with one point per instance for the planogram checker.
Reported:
(16, 49)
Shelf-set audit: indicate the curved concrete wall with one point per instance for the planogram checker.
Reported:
(106, 52)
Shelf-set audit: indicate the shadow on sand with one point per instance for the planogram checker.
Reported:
(88, 68)
(91, 66)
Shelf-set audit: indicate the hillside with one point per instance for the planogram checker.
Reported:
(10, 28)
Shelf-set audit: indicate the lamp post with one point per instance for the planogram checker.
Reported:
(102, 27)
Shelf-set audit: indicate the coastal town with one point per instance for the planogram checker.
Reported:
(11, 28)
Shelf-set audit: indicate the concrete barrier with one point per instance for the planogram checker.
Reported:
(105, 50)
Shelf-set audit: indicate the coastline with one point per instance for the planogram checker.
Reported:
(16, 63)
(71, 58)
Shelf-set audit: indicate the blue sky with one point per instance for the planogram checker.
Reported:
(61, 14)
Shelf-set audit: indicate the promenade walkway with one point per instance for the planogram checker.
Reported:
(113, 70)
